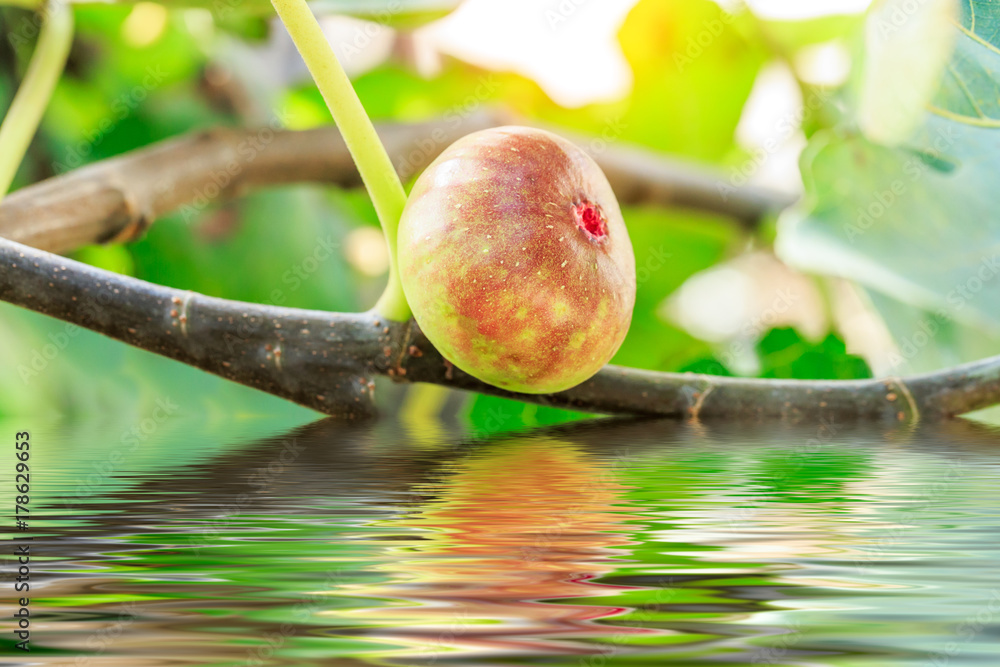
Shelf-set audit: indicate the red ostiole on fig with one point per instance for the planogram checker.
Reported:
(515, 259)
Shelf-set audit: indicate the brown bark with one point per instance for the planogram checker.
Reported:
(326, 361)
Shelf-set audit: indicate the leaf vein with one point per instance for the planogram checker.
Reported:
(976, 38)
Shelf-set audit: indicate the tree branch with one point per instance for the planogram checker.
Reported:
(119, 198)
(325, 361)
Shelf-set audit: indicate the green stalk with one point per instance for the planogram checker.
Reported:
(25, 113)
(359, 134)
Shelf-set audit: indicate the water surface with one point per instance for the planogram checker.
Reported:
(608, 543)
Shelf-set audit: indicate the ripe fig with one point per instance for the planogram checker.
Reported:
(516, 262)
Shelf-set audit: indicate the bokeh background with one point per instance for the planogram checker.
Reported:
(740, 88)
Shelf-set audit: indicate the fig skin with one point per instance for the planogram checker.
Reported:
(515, 259)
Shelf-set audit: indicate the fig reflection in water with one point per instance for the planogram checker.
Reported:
(530, 523)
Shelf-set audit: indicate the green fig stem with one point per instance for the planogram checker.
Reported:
(44, 70)
(359, 134)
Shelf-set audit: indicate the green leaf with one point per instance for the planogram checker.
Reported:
(920, 223)
(926, 341)
(970, 91)
(907, 46)
(786, 354)
(917, 223)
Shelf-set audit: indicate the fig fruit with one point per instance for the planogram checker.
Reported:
(516, 262)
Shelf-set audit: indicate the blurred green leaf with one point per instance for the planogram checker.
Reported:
(926, 341)
(282, 247)
(918, 223)
(393, 92)
(784, 353)
(119, 97)
(115, 258)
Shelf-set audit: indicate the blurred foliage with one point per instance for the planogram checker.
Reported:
(915, 223)
(784, 353)
(693, 67)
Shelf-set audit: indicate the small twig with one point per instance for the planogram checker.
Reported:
(325, 361)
